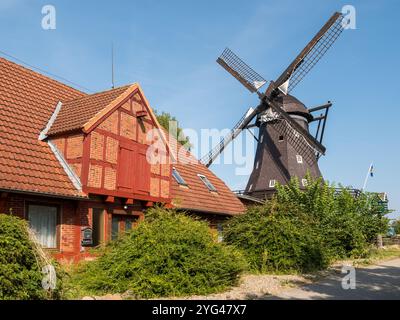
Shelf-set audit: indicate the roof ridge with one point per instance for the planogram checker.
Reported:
(36, 73)
(91, 95)
(94, 105)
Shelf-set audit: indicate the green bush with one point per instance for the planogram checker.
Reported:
(20, 275)
(167, 254)
(396, 227)
(304, 230)
(278, 238)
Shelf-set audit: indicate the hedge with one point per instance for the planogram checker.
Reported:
(169, 254)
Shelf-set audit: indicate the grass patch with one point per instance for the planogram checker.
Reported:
(377, 255)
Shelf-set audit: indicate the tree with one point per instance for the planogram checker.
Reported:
(303, 229)
(396, 227)
(166, 121)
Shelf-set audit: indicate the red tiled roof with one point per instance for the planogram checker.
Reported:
(27, 100)
(196, 195)
(75, 113)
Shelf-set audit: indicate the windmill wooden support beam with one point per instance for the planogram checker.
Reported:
(321, 107)
(321, 119)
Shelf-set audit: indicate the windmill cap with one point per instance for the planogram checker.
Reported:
(292, 105)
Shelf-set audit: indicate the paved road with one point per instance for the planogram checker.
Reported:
(375, 282)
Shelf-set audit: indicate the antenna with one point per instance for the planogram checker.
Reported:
(112, 66)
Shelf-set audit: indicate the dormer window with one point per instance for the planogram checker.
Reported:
(207, 183)
(272, 183)
(178, 177)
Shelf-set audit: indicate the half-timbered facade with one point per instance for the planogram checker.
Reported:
(82, 168)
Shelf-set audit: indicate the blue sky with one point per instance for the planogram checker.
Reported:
(170, 47)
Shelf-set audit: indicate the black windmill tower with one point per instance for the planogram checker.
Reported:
(286, 148)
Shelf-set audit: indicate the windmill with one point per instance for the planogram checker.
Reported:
(285, 146)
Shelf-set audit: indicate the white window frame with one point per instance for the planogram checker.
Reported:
(182, 182)
(304, 182)
(272, 183)
(55, 243)
(299, 158)
(207, 183)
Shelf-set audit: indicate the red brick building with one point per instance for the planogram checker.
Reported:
(71, 161)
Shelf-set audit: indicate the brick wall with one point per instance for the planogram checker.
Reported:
(95, 176)
(12, 204)
(74, 147)
(72, 215)
(112, 150)
(71, 147)
(110, 178)
(110, 124)
(128, 126)
(60, 144)
(96, 146)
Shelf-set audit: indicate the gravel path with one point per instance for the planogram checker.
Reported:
(256, 287)
(376, 282)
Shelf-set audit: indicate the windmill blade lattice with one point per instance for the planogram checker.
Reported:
(241, 71)
(316, 53)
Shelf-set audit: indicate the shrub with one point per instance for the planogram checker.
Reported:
(278, 238)
(167, 254)
(396, 227)
(302, 230)
(20, 271)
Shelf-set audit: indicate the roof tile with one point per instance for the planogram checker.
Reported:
(75, 113)
(197, 196)
(27, 164)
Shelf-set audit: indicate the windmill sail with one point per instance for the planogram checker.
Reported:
(209, 158)
(311, 54)
(241, 71)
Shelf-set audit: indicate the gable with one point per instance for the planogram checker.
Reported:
(118, 143)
